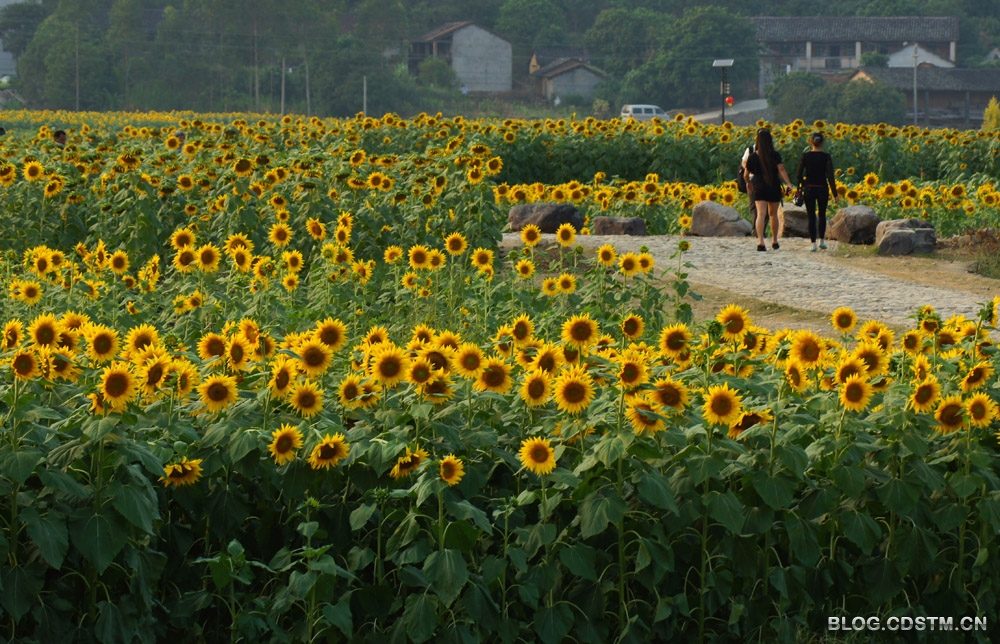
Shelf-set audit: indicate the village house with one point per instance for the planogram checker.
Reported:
(481, 59)
(568, 77)
(836, 44)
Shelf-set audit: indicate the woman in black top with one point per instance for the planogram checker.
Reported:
(814, 175)
(765, 186)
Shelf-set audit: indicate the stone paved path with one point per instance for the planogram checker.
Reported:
(792, 276)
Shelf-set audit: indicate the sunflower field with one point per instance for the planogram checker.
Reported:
(275, 380)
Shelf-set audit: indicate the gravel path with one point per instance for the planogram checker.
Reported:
(791, 276)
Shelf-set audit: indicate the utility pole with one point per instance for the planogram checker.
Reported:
(914, 84)
(77, 56)
(282, 85)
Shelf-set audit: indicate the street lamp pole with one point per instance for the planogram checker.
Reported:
(724, 63)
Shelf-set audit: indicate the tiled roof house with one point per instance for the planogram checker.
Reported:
(481, 59)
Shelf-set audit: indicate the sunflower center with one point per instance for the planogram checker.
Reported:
(330, 337)
(669, 396)
(536, 389)
(574, 392)
(854, 392)
(580, 332)
(923, 394)
(23, 364)
(389, 368)
(154, 375)
(951, 415)
(630, 327)
(722, 406)
(675, 341)
(306, 399)
(494, 376)
(116, 385)
(977, 410)
(447, 470)
(327, 452)
(630, 373)
(314, 357)
(217, 392)
(283, 444)
(546, 362)
(539, 454)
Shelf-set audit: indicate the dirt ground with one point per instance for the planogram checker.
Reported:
(945, 269)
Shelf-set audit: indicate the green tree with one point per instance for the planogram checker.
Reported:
(436, 72)
(701, 36)
(19, 22)
(791, 97)
(520, 21)
(622, 40)
(871, 102)
(991, 116)
(874, 59)
(65, 65)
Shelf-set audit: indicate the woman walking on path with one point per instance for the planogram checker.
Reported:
(765, 189)
(814, 176)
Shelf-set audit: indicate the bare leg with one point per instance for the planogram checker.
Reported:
(772, 211)
(762, 208)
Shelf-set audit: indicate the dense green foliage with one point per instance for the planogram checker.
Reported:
(801, 95)
(224, 55)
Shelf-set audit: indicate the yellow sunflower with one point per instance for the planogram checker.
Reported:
(573, 390)
(284, 442)
(494, 376)
(537, 456)
(981, 409)
(950, 414)
(735, 322)
(184, 473)
(408, 463)
(306, 398)
(451, 469)
(843, 319)
(329, 452)
(580, 331)
(531, 235)
(218, 392)
(856, 393)
(722, 405)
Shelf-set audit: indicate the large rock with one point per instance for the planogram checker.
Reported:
(618, 226)
(711, 219)
(793, 221)
(905, 236)
(853, 225)
(547, 216)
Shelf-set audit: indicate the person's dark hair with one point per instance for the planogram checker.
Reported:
(817, 138)
(764, 147)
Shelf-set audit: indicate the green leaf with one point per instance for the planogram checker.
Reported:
(406, 532)
(794, 458)
(463, 510)
(579, 560)
(63, 482)
(776, 491)
(21, 587)
(861, 529)
(360, 515)
(899, 496)
(989, 510)
(726, 509)
(553, 623)
(242, 443)
(655, 489)
(611, 447)
(849, 480)
(702, 468)
(99, 538)
(518, 558)
(536, 536)
(598, 509)
(461, 535)
(802, 538)
(97, 428)
(111, 626)
(340, 615)
(20, 465)
(300, 583)
(420, 617)
(136, 502)
(49, 533)
(964, 484)
(448, 573)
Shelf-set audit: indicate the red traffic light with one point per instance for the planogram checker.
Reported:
(729, 101)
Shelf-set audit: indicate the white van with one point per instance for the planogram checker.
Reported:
(642, 112)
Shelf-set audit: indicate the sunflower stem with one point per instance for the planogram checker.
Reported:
(440, 525)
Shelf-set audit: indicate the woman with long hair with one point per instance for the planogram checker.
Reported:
(768, 172)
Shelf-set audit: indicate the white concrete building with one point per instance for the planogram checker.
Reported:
(482, 60)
